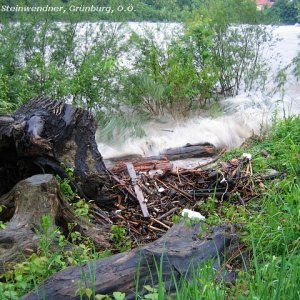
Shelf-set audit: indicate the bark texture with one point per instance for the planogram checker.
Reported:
(44, 136)
(180, 250)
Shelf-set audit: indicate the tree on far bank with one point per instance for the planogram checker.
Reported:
(285, 12)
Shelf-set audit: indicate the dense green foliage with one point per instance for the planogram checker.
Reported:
(114, 10)
(283, 12)
(273, 232)
(175, 79)
(49, 59)
(208, 60)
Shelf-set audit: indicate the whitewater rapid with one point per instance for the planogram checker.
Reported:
(237, 118)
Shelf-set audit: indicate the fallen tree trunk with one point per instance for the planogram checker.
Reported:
(161, 161)
(44, 136)
(25, 205)
(187, 151)
(178, 253)
(144, 166)
(190, 151)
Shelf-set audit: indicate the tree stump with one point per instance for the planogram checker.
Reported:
(44, 135)
(25, 205)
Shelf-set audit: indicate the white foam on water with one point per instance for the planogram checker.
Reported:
(228, 131)
(243, 115)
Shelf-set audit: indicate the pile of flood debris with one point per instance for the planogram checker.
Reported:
(150, 196)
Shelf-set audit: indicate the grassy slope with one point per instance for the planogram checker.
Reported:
(274, 232)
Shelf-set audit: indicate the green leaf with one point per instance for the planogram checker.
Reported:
(119, 295)
(153, 296)
(102, 297)
(88, 292)
(150, 288)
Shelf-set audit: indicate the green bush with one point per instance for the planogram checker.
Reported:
(284, 12)
(172, 80)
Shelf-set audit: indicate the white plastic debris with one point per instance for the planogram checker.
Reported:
(192, 214)
(161, 189)
(118, 211)
(247, 155)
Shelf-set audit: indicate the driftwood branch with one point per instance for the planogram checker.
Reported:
(161, 161)
(180, 251)
(137, 189)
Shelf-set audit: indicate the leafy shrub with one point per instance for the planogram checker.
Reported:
(174, 80)
(211, 58)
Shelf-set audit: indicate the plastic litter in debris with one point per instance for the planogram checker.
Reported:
(192, 214)
(161, 189)
(247, 155)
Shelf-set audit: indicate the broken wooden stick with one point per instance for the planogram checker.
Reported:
(137, 189)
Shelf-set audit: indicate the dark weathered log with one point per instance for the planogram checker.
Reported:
(180, 249)
(144, 166)
(187, 151)
(190, 151)
(25, 205)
